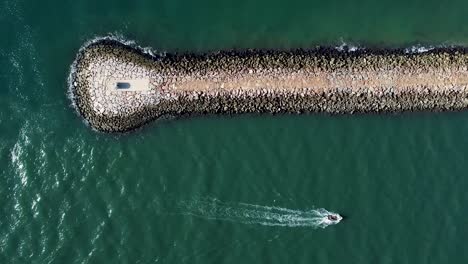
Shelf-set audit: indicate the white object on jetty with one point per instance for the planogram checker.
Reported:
(129, 85)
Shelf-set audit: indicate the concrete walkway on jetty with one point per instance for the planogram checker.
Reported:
(265, 82)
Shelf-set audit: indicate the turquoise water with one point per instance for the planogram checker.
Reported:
(225, 189)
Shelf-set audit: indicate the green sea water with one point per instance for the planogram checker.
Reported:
(239, 189)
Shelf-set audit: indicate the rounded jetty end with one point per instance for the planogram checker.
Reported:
(117, 87)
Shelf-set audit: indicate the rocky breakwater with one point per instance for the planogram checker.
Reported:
(319, 80)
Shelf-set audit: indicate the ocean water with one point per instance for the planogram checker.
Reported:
(225, 189)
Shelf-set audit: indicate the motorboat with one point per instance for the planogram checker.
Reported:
(333, 218)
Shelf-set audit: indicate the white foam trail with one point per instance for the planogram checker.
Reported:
(344, 46)
(418, 49)
(255, 214)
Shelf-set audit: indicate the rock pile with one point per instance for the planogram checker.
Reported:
(320, 80)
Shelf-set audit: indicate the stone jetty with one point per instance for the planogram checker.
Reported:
(117, 87)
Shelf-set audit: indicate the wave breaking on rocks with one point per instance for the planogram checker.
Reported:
(118, 87)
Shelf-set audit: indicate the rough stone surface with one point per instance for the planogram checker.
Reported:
(320, 80)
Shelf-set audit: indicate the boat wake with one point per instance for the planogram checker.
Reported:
(258, 214)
